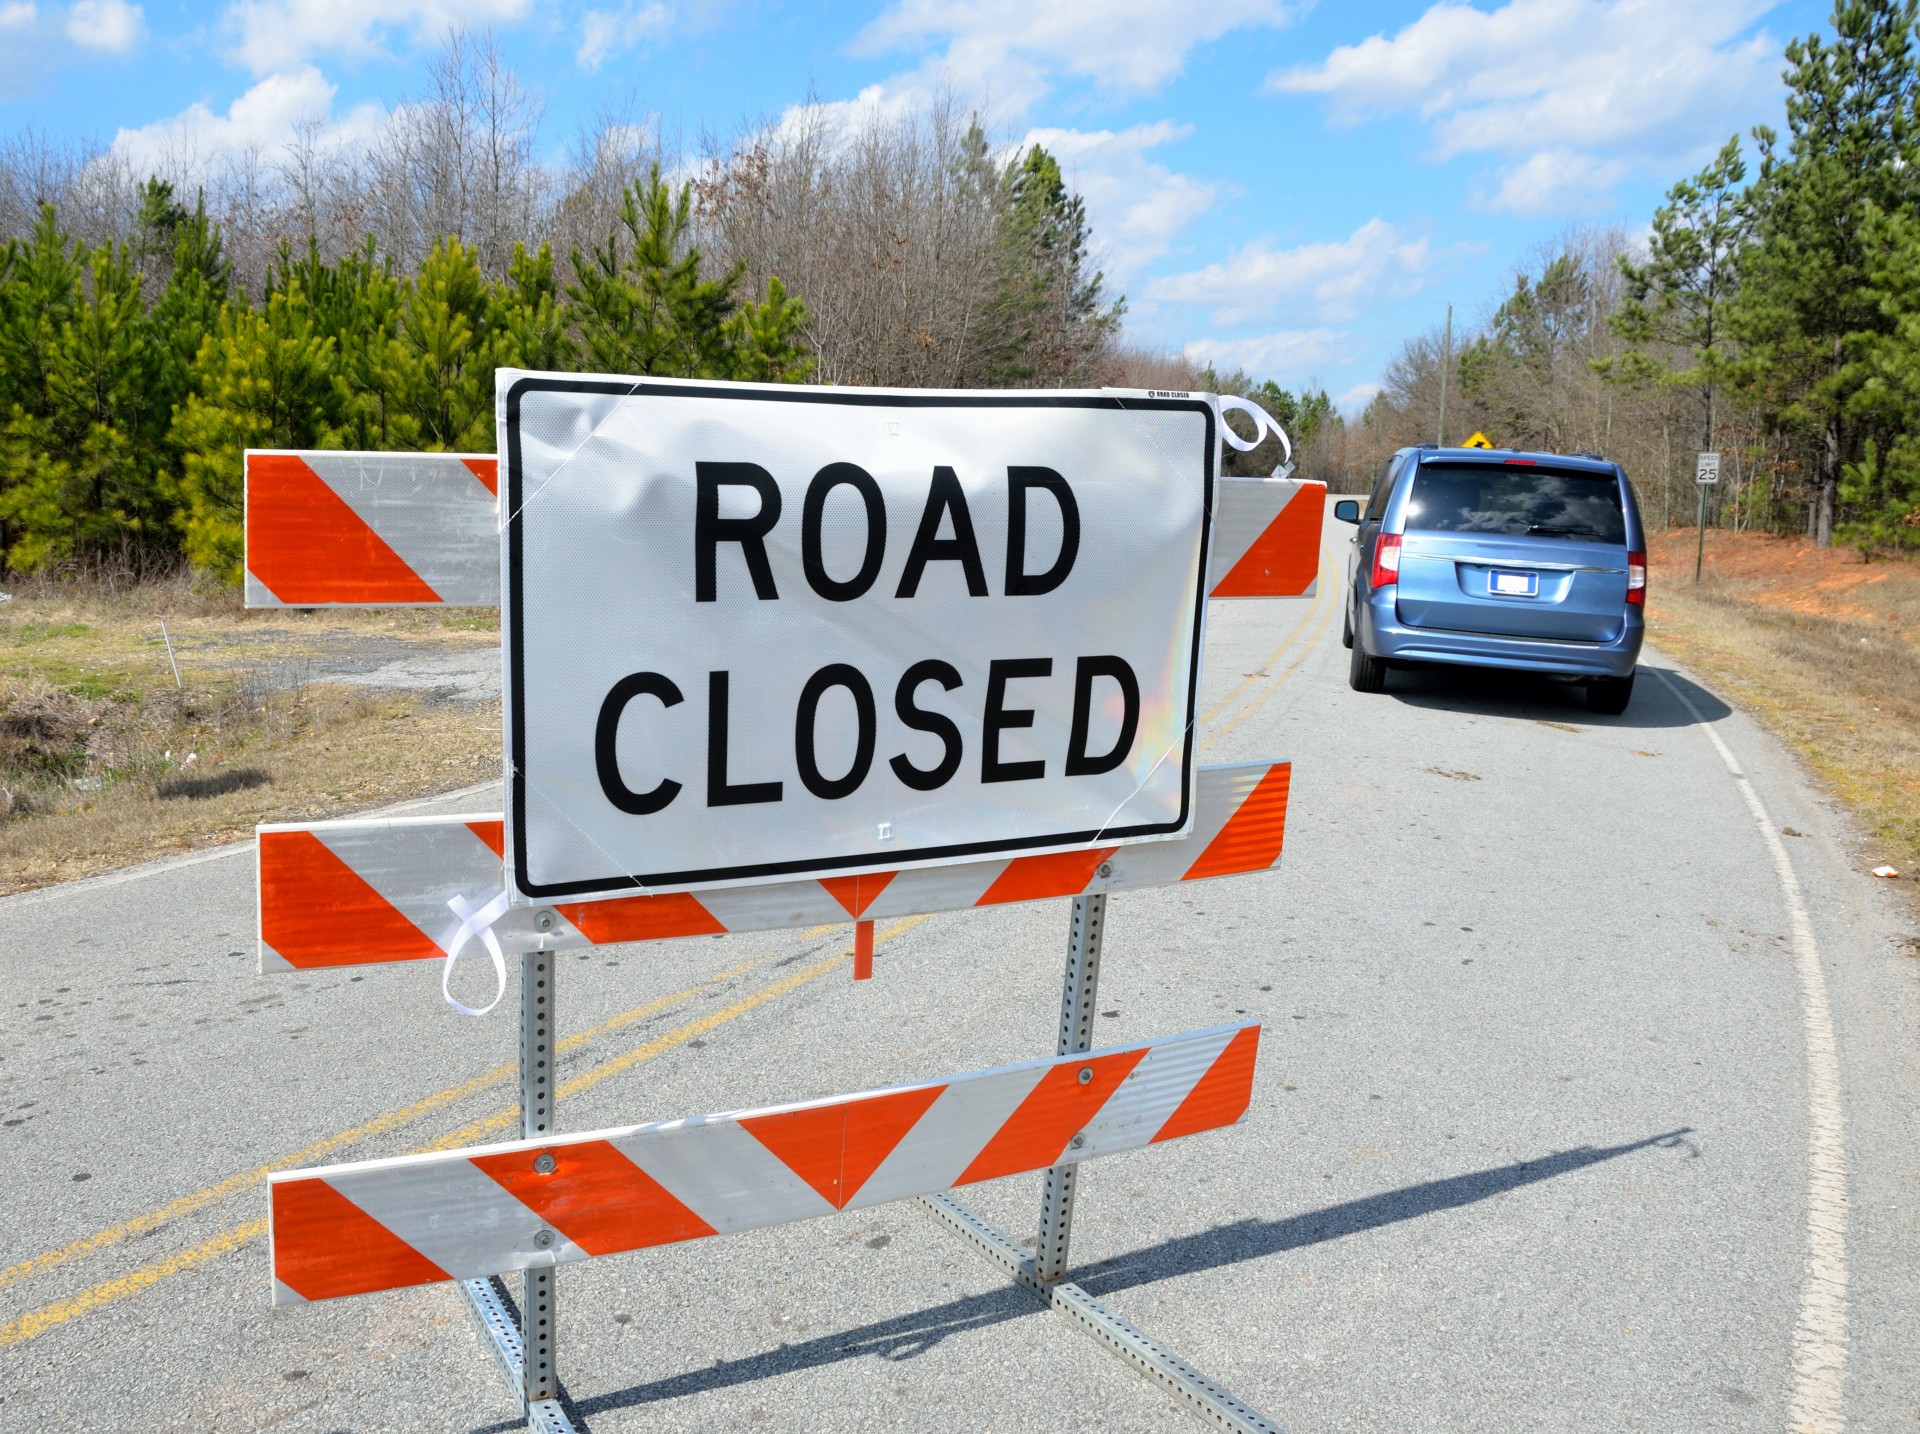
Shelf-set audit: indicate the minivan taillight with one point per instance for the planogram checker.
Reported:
(1386, 559)
(1637, 579)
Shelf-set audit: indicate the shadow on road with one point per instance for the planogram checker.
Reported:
(1525, 696)
(908, 1335)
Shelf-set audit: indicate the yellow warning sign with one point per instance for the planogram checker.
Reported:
(1479, 440)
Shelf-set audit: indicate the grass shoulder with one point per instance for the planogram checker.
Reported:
(1824, 649)
(122, 741)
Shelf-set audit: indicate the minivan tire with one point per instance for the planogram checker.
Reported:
(1346, 626)
(1609, 695)
(1366, 673)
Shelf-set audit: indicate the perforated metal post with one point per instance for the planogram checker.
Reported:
(1078, 996)
(536, 1119)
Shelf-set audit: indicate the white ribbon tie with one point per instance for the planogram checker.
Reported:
(1263, 424)
(475, 922)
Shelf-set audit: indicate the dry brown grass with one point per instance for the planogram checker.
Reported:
(1825, 650)
(106, 761)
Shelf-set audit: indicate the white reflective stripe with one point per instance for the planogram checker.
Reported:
(431, 510)
(1151, 1092)
(770, 908)
(935, 888)
(722, 1173)
(951, 1135)
(1244, 508)
(1218, 797)
(417, 864)
(454, 1214)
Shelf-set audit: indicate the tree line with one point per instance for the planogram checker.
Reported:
(157, 322)
(1772, 314)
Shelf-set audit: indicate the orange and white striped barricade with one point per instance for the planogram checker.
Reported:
(341, 529)
(348, 529)
(351, 893)
(487, 1210)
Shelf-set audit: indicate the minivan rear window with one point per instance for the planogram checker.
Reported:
(1517, 500)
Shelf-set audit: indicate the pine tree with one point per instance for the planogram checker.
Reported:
(1674, 317)
(265, 378)
(39, 297)
(1053, 316)
(79, 462)
(643, 306)
(1881, 489)
(434, 374)
(1806, 311)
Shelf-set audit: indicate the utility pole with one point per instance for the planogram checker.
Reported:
(1446, 365)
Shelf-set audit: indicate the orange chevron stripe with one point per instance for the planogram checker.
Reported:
(1033, 878)
(1219, 1097)
(856, 893)
(307, 545)
(1036, 1134)
(596, 1197)
(325, 1246)
(642, 918)
(309, 897)
(494, 834)
(1285, 558)
(1252, 838)
(836, 1148)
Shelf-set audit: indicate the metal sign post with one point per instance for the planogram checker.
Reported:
(1706, 473)
(353, 529)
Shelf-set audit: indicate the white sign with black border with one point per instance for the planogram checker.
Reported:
(1707, 470)
(755, 632)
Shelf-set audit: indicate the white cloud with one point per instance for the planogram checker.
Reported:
(606, 33)
(1331, 280)
(1137, 206)
(1008, 48)
(18, 14)
(1354, 401)
(1621, 82)
(280, 34)
(1557, 181)
(262, 120)
(1287, 356)
(110, 26)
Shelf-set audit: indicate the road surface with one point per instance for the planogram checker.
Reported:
(1564, 1119)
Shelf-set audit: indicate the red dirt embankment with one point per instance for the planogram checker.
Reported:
(1791, 574)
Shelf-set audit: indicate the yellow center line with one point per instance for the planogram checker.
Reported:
(1278, 678)
(33, 1322)
(367, 1130)
(38, 1321)
(1320, 590)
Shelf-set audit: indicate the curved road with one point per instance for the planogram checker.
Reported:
(1567, 1116)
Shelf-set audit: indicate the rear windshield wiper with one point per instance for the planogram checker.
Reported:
(1550, 528)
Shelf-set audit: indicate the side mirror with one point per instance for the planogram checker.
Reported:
(1347, 510)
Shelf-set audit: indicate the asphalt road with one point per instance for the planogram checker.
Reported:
(1547, 1131)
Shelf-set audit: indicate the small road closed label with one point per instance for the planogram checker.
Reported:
(759, 632)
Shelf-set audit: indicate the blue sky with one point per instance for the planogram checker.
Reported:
(1281, 185)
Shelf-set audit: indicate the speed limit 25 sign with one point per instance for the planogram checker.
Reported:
(757, 632)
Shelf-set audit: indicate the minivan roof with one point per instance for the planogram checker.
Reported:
(1492, 456)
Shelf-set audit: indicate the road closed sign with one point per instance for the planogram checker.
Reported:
(760, 632)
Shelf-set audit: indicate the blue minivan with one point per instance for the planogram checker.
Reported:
(1534, 562)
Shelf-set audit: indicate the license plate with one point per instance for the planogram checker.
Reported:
(1514, 584)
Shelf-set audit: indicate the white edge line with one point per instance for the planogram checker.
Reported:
(1817, 1404)
(240, 848)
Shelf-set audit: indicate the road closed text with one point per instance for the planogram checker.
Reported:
(754, 634)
